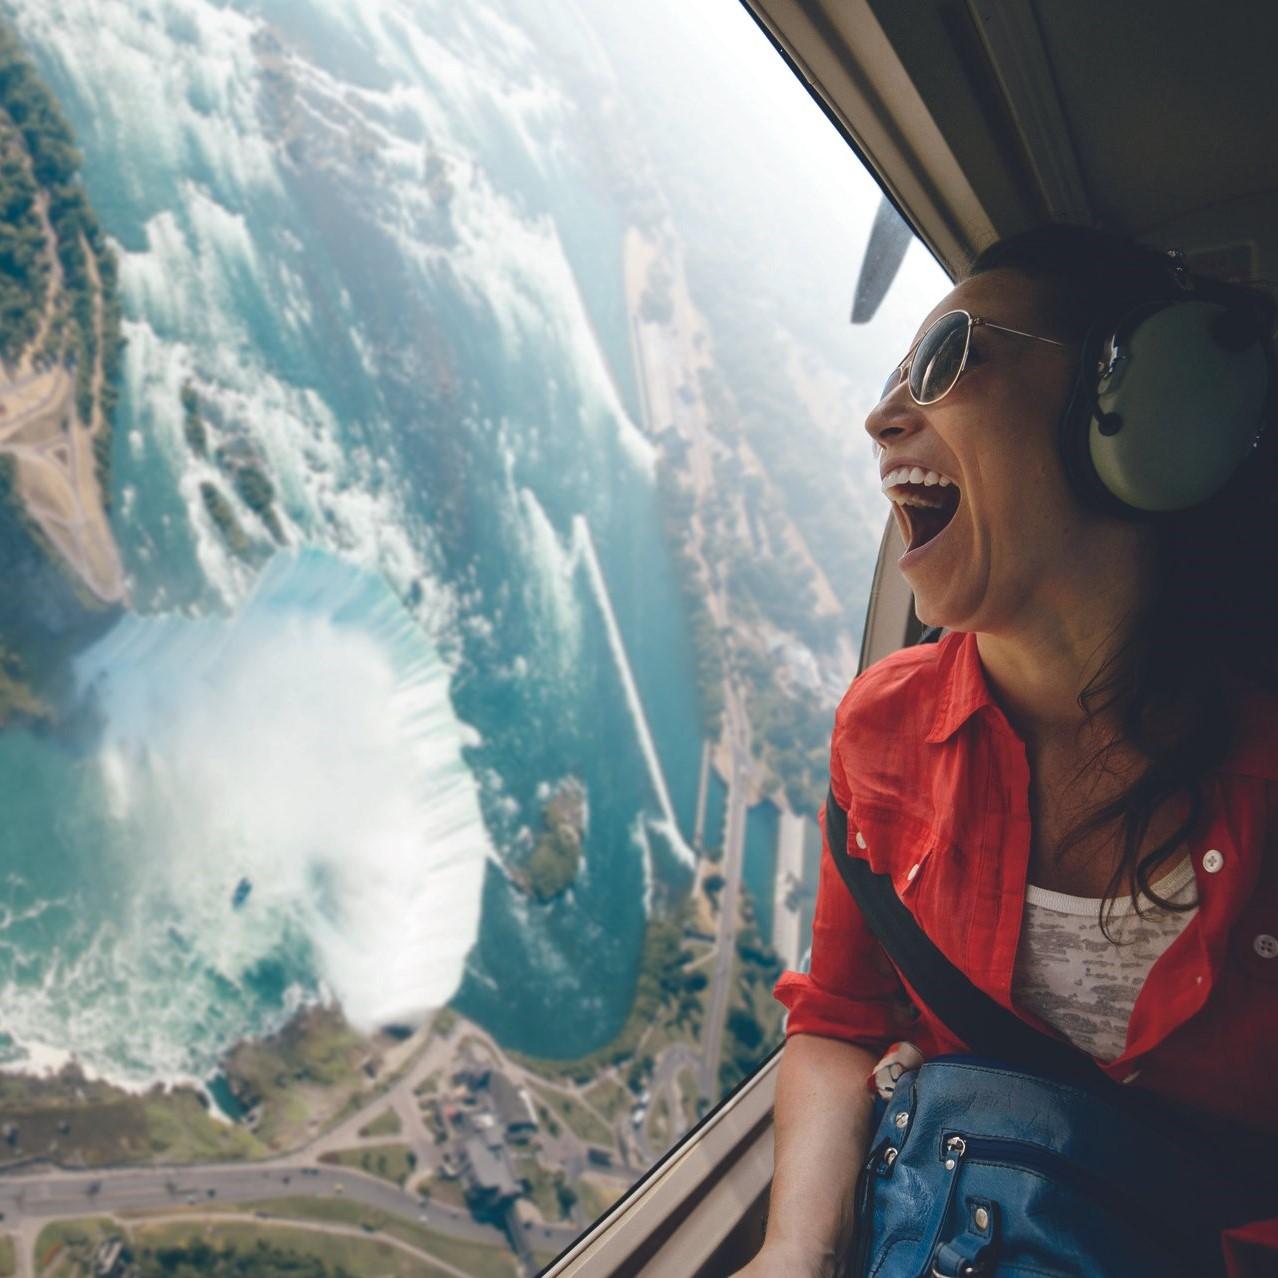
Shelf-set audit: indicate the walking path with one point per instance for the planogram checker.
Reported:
(703, 790)
(786, 934)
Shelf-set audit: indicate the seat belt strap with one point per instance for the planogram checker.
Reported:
(987, 1027)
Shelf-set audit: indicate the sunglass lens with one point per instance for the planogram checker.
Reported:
(939, 358)
(893, 381)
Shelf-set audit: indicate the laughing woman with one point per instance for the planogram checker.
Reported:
(1075, 791)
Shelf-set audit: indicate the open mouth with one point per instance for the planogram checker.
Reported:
(923, 511)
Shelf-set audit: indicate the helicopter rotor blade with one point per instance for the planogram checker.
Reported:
(890, 236)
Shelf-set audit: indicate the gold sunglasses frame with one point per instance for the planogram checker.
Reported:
(901, 372)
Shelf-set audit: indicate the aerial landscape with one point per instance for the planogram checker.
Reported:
(435, 529)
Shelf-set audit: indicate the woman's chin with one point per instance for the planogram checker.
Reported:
(929, 616)
(937, 604)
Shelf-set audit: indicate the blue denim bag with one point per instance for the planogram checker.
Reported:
(980, 1170)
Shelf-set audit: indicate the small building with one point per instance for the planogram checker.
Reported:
(512, 1105)
(526, 1216)
(490, 1180)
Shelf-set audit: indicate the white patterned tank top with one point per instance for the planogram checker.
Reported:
(1078, 981)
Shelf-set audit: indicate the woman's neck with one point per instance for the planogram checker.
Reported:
(1040, 662)
(1037, 680)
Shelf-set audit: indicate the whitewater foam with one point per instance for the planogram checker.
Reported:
(308, 747)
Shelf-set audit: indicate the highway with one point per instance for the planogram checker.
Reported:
(733, 859)
(29, 1199)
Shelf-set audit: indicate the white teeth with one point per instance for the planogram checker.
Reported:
(915, 475)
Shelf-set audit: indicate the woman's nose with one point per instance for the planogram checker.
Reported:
(896, 414)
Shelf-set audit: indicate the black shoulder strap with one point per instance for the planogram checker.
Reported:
(987, 1027)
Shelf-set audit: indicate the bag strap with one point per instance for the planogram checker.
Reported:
(987, 1027)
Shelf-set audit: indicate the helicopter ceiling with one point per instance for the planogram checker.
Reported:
(982, 117)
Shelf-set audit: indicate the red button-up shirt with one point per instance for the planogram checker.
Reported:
(936, 785)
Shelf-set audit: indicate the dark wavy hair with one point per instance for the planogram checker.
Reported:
(1212, 617)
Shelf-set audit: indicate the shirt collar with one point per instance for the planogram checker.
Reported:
(964, 690)
(961, 684)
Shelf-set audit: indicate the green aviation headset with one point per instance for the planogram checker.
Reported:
(1169, 402)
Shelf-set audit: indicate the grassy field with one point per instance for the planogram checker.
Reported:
(597, 1194)
(385, 1124)
(8, 1260)
(355, 1255)
(544, 1195)
(586, 1124)
(113, 1127)
(390, 1162)
(690, 1094)
(672, 1028)
(64, 1248)
(180, 1131)
(660, 1130)
(609, 1097)
(309, 1071)
(473, 1258)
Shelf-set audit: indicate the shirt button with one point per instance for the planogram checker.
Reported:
(909, 878)
(1266, 946)
(1212, 861)
(860, 840)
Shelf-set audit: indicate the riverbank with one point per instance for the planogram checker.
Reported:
(62, 345)
(766, 619)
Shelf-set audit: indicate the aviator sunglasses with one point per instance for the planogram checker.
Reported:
(938, 359)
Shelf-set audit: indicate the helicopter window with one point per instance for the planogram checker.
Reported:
(437, 527)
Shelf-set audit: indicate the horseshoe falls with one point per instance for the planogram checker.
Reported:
(366, 246)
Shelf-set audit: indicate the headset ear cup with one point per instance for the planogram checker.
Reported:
(1165, 425)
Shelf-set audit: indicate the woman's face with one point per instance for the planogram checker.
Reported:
(1018, 540)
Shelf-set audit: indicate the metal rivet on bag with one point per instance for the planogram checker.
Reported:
(889, 1156)
(901, 1119)
(982, 1218)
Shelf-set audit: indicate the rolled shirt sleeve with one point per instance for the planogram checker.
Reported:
(851, 991)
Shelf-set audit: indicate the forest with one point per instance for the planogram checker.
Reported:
(38, 156)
